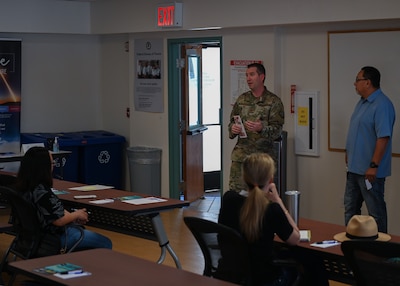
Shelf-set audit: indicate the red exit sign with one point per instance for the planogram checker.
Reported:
(169, 15)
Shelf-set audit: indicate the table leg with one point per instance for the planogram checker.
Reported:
(163, 241)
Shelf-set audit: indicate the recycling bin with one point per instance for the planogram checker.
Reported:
(100, 157)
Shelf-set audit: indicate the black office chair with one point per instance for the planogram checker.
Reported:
(374, 263)
(30, 240)
(226, 253)
(7, 181)
(236, 268)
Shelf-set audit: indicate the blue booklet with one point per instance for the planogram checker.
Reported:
(61, 268)
(129, 198)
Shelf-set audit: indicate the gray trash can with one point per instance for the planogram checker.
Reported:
(145, 170)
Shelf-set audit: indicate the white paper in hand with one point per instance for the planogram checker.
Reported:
(238, 121)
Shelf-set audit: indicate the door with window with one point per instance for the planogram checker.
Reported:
(194, 116)
(193, 128)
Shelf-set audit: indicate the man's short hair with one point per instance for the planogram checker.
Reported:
(260, 68)
(373, 75)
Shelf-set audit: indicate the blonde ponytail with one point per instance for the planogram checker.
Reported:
(258, 170)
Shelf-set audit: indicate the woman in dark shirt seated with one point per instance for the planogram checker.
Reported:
(34, 181)
(258, 215)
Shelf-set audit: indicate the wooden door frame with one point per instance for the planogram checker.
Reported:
(174, 89)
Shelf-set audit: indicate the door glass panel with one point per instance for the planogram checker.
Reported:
(211, 149)
(211, 85)
(194, 91)
(211, 108)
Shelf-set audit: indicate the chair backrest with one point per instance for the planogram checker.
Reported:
(225, 251)
(7, 181)
(374, 263)
(31, 240)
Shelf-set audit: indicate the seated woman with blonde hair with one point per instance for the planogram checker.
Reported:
(258, 214)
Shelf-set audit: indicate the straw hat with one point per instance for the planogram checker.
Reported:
(362, 227)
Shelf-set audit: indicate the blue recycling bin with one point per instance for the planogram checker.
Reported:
(101, 157)
(67, 167)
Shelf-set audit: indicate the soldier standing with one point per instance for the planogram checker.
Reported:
(257, 118)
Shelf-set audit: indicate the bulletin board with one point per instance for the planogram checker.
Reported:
(348, 52)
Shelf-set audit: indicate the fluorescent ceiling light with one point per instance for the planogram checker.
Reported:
(205, 28)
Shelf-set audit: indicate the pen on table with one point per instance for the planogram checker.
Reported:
(73, 272)
(326, 242)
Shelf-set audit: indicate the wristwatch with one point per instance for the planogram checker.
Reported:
(373, 165)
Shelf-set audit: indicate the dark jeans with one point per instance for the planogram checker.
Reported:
(90, 240)
(356, 193)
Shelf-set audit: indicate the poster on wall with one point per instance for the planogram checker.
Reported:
(10, 95)
(238, 77)
(148, 79)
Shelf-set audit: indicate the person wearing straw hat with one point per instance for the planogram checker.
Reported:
(362, 227)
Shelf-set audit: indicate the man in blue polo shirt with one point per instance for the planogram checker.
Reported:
(369, 149)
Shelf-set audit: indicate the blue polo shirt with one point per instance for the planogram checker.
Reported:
(372, 118)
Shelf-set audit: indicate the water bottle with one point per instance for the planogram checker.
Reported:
(56, 148)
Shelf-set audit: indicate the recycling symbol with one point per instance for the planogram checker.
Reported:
(60, 163)
(104, 157)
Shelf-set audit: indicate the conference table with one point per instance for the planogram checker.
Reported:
(108, 267)
(141, 220)
(334, 262)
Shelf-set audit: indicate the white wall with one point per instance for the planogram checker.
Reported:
(60, 82)
(114, 88)
(45, 16)
(116, 16)
(114, 76)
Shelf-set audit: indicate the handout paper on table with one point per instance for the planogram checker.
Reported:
(73, 275)
(142, 201)
(91, 188)
(102, 201)
(325, 243)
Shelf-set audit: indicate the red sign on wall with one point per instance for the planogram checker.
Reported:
(169, 15)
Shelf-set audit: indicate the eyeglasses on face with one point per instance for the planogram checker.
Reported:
(359, 79)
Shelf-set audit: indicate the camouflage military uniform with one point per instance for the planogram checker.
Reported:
(269, 109)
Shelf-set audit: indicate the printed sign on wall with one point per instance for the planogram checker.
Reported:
(10, 95)
(148, 81)
(238, 77)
